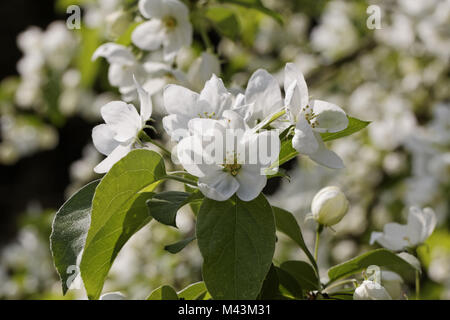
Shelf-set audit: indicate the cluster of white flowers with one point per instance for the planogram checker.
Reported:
(399, 82)
(162, 40)
(44, 52)
(213, 112)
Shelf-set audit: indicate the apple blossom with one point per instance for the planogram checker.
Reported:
(371, 290)
(224, 172)
(118, 135)
(397, 237)
(311, 118)
(169, 27)
(263, 97)
(183, 104)
(123, 66)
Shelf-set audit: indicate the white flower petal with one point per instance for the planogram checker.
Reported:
(176, 126)
(234, 120)
(115, 54)
(120, 75)
(430, 221)
(329, 117)
(304, 140)
(261, 148)
(251, 182)
(182, 101)
(326, 157)
(392, 237)
(239, 102)
(219, 187)
(215, 96)
(194, 158)
(117, 154)
(420, 224)
(153, 8)
(149, 35)
(206, 127)
(145, 101)
(103, 139)
(297, 96)
(371, 290)
(177, 9)
(174, 40)
(123, 119)
(264, 93)
(154, 85)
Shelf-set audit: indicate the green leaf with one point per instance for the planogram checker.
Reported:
(270, 289)
(303, 273)
(195, 205)
(237, 242)
(287, 224)
(257, 5)
(165, 205)
(280, 172)
(195, 291)
(354, 125)
(288, 284)
(178, 246)
(224, 21)
(118, 211)
(287, 152)
(379, 257)
(163, 293)
(69, 230)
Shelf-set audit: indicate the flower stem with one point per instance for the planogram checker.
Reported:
(337, 284)
(417, 285)
(181, 179)
(274, 117)
(144, 137)
(161, 147)
(316, 246)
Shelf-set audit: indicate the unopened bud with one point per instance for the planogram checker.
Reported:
(329, 206)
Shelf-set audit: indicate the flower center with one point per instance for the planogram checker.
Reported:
(311, 117)
(169, 22)
(232, 167)
(206, 115)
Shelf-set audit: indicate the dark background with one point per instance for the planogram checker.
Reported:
(40, 178)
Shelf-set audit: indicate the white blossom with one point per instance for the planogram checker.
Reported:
(169, 27)
(371, 290)
(263, 97)
(183, 104)
(220, 178)
(397, 237)
(123, 67)
(311, 118)
(117, 136)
